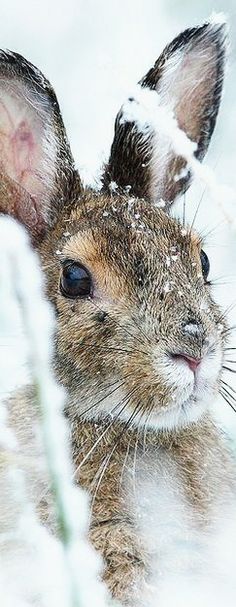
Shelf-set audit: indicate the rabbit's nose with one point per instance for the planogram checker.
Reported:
(193, 328)
(194, 332)
(192, 362)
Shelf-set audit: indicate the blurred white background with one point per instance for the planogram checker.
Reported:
(93, 53)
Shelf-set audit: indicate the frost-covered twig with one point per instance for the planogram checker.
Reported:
(19, 268)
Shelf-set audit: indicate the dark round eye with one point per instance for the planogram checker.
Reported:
(75, 280)
(205, 264)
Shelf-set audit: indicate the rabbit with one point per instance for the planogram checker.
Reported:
(139, 342)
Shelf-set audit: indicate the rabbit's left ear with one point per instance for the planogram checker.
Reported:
(36, 166)
(188, 78)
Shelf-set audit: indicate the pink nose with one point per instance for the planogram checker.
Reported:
(192, 362)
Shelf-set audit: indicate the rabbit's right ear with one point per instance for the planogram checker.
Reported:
(187, 81)
(36, 165)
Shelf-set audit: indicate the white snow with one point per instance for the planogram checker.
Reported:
(218, 18)
(25, 545)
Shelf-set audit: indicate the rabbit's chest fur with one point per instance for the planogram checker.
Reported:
(148, 498)
(149, 494)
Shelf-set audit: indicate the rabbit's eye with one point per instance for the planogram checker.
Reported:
(75, 280)
(205, 264)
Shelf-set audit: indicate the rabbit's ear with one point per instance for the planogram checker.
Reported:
(36, 166)
(188, 78)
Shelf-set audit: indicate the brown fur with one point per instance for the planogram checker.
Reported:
(112, 349)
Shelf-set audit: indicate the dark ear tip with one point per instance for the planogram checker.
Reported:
(215, 30)
(13, 59)
(13, 65)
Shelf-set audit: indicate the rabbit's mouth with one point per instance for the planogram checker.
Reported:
(172, 390)
(188, 386)
(193, 383)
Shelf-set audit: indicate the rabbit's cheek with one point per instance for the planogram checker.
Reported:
(107, 403)
(191, 394)
(209, 370)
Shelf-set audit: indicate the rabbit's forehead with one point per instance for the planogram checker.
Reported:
(129, 247)
(129, 224)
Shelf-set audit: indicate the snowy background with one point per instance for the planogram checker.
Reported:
(93, 53)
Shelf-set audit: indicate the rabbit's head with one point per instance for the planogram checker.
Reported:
(138, 334)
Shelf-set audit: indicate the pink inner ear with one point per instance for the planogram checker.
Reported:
(18, 146)
(27, 155)
(22, 148)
